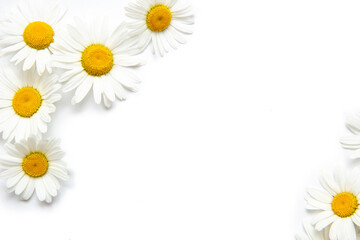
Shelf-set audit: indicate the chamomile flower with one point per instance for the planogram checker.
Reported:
(28, 33)
(309, 233)
(33, 165)
(159, 22)
(96, 59)
(337, 205)
(352, 142)
(26, 100)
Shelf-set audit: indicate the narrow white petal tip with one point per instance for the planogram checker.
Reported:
(73, 102)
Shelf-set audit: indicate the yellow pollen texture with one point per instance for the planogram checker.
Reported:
(26, 102)
(97, 60)
(158, 18)
(38, 35)
(345, 204)
(35, 164)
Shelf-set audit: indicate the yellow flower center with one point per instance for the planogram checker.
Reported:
(345, 204)
(38, 35)
(26, 102)
(35, 164)
(158, 18)
(97, 60)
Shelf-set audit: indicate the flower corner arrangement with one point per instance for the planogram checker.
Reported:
(335, 206)
(47, 57)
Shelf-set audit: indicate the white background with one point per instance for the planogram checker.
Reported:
(222, 139)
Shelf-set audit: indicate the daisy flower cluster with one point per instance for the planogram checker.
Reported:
(335, 206)
(47, 57)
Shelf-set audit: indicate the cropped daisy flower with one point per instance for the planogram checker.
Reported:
(161, 22)
(33, 165)
(28, 33)
(94, 58)
(309, 233)
(352, 142)
(337, 204)
(26, 100)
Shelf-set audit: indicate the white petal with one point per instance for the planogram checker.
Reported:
(329, 184)
(343, 229)
(41, 61)
(9, 127)
(180, 27)
(326, 222)
(40, 189)
(11, 172)
(29, 190)
(316, 203)
(108, 89)
(14, 48)
(353, 124)
(324, 215)
(355, 154)
(177, 36)
(97, 89)
(20, 187)
(12, 181)
(322, 196)
(58, 172)
(339, 175)
(30, 60)
(107, 102)
(83, 90)
(49, 185)
(75, 81)
(21, 55)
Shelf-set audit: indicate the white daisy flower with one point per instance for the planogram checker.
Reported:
(33, 165)
(28, 33)
(309, 233)
(26, 100)
(338, 205)
(161, 22)
(94, 58)
(352, 142)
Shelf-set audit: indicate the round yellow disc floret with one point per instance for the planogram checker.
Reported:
(158, 18)
(97, 60)
(345, 204)
(26, 102)
(35, 164)
(38, 35)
